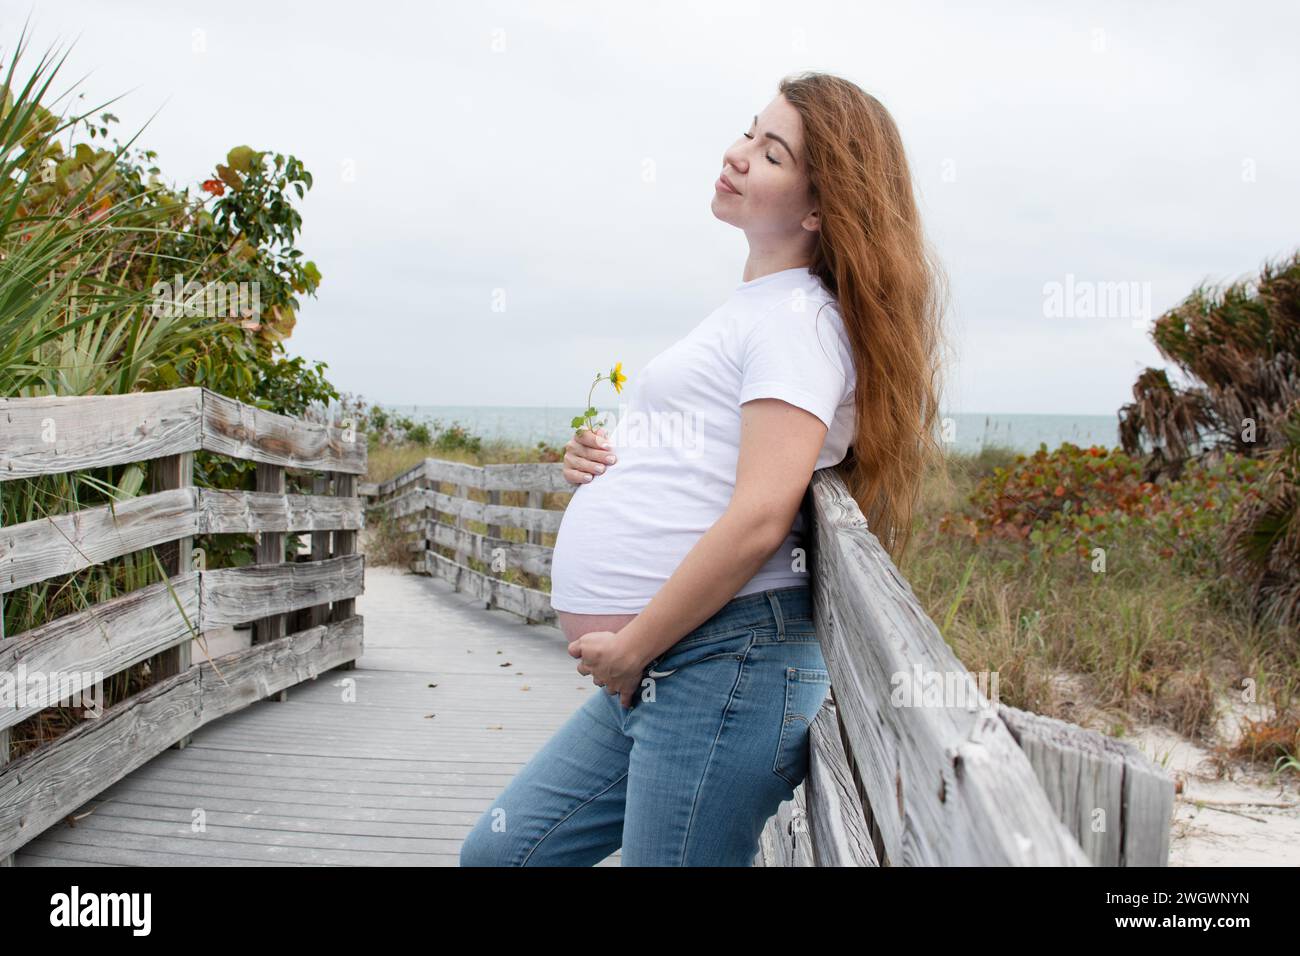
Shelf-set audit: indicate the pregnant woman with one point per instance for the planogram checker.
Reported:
(679, 573)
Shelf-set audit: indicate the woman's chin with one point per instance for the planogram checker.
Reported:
(719, 210)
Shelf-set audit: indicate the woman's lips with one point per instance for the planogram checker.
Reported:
(722, 187)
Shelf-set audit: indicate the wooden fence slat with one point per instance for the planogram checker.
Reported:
(230, 512)
(254, 434)
(52, 435)
(38, 550)
(44, 786)
(321, 540)
(345, 547)
(107, 637)
(1093, 779)
(35, 551)
(533, 558)
(530, 603)
(947, 784)
(270, 551)
(237, 595)
(175, 472)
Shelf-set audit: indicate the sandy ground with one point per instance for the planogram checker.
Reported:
(1245, 818)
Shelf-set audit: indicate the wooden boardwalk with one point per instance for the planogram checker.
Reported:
(370, 766)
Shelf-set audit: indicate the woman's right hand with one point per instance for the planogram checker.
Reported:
(586, 455)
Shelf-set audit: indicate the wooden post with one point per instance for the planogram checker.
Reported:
(345, 542)
(270, 550)
(426, 517)
(535, 501)
(320, 550)
(494, 498)
(174, 471)
(462, 493)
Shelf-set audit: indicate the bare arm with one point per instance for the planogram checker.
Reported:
(779, 444)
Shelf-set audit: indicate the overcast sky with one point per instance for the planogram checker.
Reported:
(464, 148)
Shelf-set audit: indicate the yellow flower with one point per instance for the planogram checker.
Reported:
(617, 378)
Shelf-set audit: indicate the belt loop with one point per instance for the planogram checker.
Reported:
(776, 612)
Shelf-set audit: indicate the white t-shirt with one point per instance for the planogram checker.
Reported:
(677, 439)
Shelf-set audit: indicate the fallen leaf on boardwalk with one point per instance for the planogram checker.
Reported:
(506, 664)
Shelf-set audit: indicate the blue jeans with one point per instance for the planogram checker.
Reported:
(687, 775)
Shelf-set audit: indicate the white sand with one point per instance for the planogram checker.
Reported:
(1235, 824)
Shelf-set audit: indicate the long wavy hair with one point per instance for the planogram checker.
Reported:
(872, 255)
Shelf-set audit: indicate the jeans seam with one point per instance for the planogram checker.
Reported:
(726, 712)
(556, 824)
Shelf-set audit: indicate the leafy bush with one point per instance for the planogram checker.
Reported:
(1074, 499)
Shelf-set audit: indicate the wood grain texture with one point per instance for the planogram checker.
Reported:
(1118, 804)
(947, 785)
(107, 637)
(253, 434)
(54, 435)
(39, 789)
(386, 765)
(61, 544)
(239, 595)
(529, 603)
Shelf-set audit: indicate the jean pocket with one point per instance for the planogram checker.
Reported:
(805, 691)
(693, 651)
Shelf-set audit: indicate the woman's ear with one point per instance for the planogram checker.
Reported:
(813, 221)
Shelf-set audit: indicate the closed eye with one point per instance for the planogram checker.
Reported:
(768, 155)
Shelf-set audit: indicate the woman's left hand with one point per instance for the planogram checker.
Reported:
(611, 662)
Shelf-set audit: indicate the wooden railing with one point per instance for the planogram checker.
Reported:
(951, 781)
(314, 599)
(955, 779)
(431, 504)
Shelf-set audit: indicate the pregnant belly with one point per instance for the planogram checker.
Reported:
(576, 625)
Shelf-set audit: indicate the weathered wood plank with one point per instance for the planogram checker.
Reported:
(530, 603)
(540, 519)
(45, 785)
(253, 434)
(105, 638)
(524, 476)
(1118, 804)
(236, 680)
(947, 783)
(230, 512)
(61, 544)
(322, 540)
(270, 551)
(35, 551)
(175, 472)
(52, 435)
(345, 547)
(836, 829)
(533, 558)
(238, 595)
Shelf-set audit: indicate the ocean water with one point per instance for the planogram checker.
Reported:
(530, 424)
